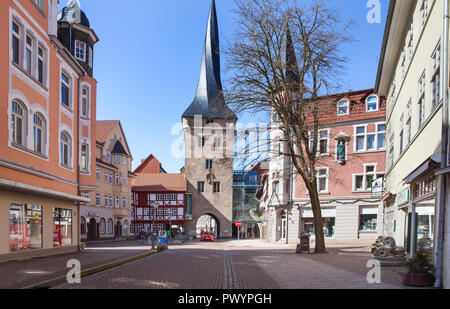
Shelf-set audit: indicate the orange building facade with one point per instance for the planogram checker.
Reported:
(47, 126)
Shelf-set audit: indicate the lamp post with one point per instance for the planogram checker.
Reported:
(154, 211)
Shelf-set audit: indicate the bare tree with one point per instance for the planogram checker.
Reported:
(281, 58)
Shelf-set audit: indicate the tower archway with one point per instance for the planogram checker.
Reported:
(208, 223)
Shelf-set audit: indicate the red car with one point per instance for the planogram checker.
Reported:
(207, 236)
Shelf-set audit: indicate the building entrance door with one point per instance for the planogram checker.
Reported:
(92, 230)
(283, 225)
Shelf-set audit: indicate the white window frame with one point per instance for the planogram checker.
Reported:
(319, 139)
(436, 76)
(69, 150)
(85, 168)
(327, 177)
(339, 105)
(86, 96)
(376, 133)
(98, 201)
(117, 201)
(377, 103)
(364, 175)
(97, 174)
(68, 84)
(80, 50)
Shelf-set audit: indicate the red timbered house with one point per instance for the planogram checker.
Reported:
(158, 199)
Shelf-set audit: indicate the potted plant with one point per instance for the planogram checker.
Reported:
(421, 271)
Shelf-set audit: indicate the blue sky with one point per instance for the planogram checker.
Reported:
(148, 61)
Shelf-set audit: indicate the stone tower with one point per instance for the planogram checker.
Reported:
(209, 127)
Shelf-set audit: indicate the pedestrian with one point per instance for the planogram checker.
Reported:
(142, 237)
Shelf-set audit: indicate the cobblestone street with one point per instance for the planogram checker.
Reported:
(245, 264)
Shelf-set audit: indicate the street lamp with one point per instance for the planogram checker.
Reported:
(154, 207)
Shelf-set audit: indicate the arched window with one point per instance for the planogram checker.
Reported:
(83, 226)
(102, 226)
(38, 133)
(110, 226)
(343, 108)
(18, 121)
(372, 103)
(64, 148)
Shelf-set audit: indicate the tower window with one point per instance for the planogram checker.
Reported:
(201, 186)
(80, 51)
(209, 164)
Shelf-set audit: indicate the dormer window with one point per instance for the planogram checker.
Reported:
(80, 51)
(343, 108)
(372, 104)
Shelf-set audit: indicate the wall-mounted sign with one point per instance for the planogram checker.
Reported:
(403, 198)
(378, 188)
(93, 214)
(188, 206)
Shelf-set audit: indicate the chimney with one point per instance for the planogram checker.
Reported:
(53, 17)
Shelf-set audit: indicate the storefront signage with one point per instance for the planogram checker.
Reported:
(377, 188)
(93, 214)
(188, 206)
(403, 198)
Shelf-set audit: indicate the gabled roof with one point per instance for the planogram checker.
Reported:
(151, 165)
(209, 100)
(104, 129)
(159, 183)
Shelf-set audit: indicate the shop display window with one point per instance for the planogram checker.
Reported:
(62, 227)
(25, 227)
(368, 223)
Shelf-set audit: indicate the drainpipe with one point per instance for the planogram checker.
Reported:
(444, 142)
(78, 161)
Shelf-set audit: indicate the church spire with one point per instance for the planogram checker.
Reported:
(289, 60)
(209, 100)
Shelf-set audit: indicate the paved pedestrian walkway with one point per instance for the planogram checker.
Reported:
(26, 273)
(344, 267)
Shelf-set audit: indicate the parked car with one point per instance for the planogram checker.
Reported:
(207, 236)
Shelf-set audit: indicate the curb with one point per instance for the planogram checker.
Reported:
(90, 271)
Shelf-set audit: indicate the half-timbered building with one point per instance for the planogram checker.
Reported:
(158, 199)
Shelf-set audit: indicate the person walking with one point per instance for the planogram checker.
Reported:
(142, 237)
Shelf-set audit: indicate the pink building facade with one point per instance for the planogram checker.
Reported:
(350, 172)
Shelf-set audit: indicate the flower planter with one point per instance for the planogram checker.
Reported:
(420, 280)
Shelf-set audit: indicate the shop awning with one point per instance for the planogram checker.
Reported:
(430, 164)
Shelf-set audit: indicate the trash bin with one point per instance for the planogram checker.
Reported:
(304, 246)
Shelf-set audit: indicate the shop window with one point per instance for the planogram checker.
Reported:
(25, 227)
(62, 227)
(368, 222)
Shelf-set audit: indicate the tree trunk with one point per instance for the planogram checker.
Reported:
(318, 222)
